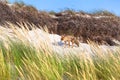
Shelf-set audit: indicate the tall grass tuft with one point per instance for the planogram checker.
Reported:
(20, 59)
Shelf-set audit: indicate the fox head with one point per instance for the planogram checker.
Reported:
(62, 37)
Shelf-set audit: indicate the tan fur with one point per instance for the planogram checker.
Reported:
(68, 38)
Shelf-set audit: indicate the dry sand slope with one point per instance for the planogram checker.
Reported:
(37, 37)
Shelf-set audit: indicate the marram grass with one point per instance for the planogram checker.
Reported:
(20, 60)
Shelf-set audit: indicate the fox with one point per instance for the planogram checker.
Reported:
(69, 38)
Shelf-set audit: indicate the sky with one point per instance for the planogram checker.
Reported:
(78, 5)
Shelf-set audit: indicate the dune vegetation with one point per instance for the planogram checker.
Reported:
(20, 60)
(100, 26)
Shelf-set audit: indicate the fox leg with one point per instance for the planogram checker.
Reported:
(77, 43)
(72, 43)
(65, 44)
(68, 43)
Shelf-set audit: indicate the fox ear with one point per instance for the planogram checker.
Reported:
(63, 35)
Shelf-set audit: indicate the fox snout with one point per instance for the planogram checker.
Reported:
(62, 38)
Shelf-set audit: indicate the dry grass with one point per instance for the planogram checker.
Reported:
(19, 59)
